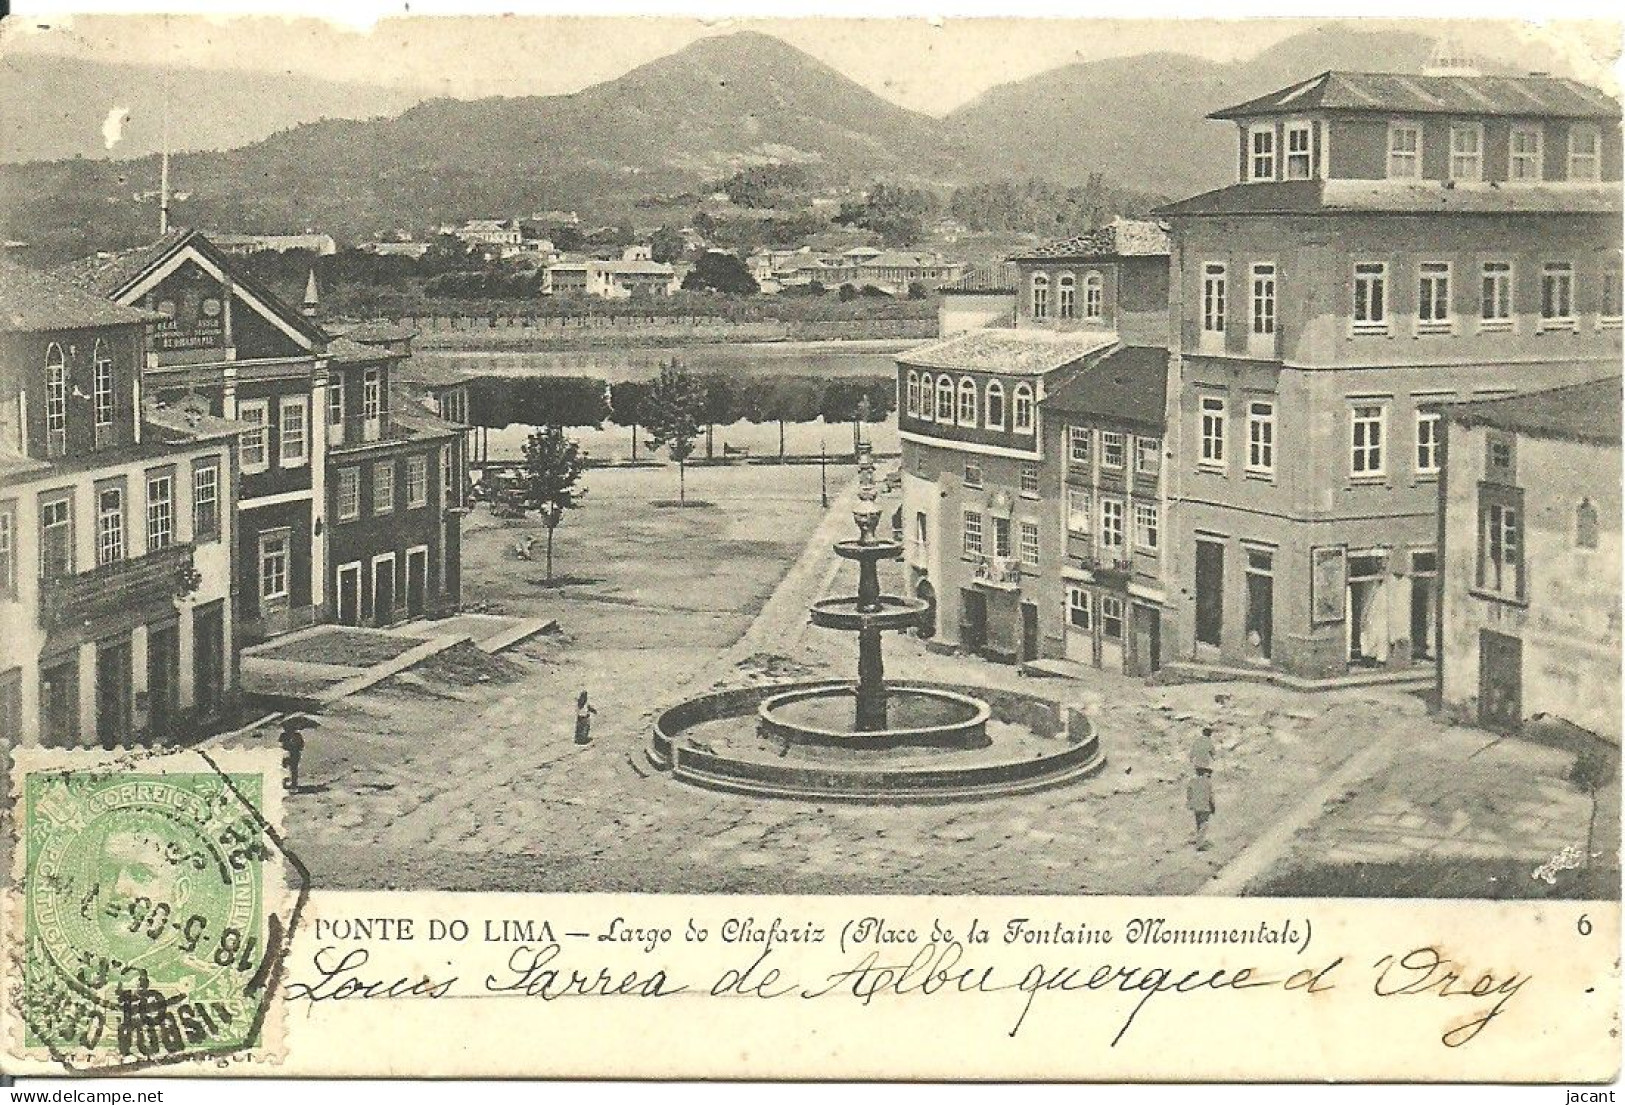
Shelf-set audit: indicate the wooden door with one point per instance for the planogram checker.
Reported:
(1500, 680)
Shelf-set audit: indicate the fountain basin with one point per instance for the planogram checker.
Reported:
(916, 717)
(873, 550)
(845, 613)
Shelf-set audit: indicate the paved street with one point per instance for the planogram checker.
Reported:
(462, 774)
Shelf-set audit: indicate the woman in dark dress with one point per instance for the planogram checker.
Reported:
(584, 714)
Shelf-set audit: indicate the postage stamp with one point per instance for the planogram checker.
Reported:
(151, 910)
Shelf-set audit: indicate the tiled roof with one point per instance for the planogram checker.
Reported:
(178, 422)
(1312, 197)
(378, 330)
(32, 301)
(984, 281)
(429, 373)
(1393, 93)
(1588, 412)
(900, 259)
(1118, 238)
(1017, 351)
(107, 273)
(1129, 384)
(421, 423)
(346, 351)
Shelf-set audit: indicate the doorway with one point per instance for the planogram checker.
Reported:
(1029, 631)
(1147, 639)
(417, 581)
(59, 702)
(1260, 603)
(209, 659)
(973, 619)
(1080, 624)
(1424, 602)
(163, 679)
(383, 589)
(1368, 637)
(1500, 680)
(113, 693)
(349, 593)
(1209, 593)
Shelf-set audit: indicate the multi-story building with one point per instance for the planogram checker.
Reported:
(984, 418)
(1393, 244)
(1530, 547)
(117, 520)
(610, 279)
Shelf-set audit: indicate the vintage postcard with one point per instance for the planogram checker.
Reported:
(1024, 549)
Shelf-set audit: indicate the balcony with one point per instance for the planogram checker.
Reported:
(1001, 573)
(119, 591)
(357, 430)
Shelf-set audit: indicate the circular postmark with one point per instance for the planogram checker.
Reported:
(149, 930)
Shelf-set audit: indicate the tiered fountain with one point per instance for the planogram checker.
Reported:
(870, 741)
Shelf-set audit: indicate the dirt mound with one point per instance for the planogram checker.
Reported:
(464, 665)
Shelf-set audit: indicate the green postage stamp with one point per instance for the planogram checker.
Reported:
(150, 907)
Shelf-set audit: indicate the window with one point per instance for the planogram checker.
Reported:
(1365, 439)
(1029, 481)
(1111, 449)
(205, 501)
(109, 525)
(1111, 523)
(1608, 309)
(1585, 527)
(1145, 526)
(1525, 159)
(252, 445)
(1213, 414)
(102, 385)
(349, 494)
(1299, 151)
(973, 474)
(383, 487)
(1080, 608)
(1263, 299)
(1213, 299)
(1433, 298)
(1029, 544)
(1585, 153)
(1261, 153)
(995, 405)
(1261, 437)
(1495, 296)
(1498, 458)
(1500, 541)
(1094, 296)
(1371, 298)
(1001, 537)
(56, 401)
(1040, 296)
(973, 533)
(1078, 510)
(1111, 617)
(913, 394)
(922, 531)
(160, 511)
(1557, 295)
(928, 401)
(1467, 152)
(56, 538)
(8, 549)
(1147, 455)
(1078, 439)
(372, 396)
(1427, 443)
(1022, 408)
(967, 402)
(1067, 296)
(335, 406)
(295, 441)
(1404, 151)
(417, 481)
(945, 399)
(274, 548)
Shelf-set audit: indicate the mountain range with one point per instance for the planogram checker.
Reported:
(674, 124)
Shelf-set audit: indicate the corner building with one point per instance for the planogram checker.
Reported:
(1392, 244)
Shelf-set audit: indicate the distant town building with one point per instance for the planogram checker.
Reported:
(413, 250)
(488, 232)
(322, 245)
(634, 274)
(1530, 622)
(116, 529)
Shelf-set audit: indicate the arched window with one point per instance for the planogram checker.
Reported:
(102, 385)
(945, 399)
(995, 405)
(1094, 293)
(1067, 297)
(1021, 408)
(928, 404)
(1040, 296)
(56, 400)
(914, 394)
(1585, 525)
(967, 402)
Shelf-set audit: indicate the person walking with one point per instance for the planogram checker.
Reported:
(1199, 800)
(584, 714)
(1202, 750)
(293, 746)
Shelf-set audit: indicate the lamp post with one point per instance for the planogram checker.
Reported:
(823, 478)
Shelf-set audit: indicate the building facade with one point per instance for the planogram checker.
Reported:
(1530, 540)
(1393, 244)
(117, 521)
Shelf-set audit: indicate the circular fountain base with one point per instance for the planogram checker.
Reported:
(1026, 743)
(916, 717)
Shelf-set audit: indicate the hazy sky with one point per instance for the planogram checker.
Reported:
(929, 65)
